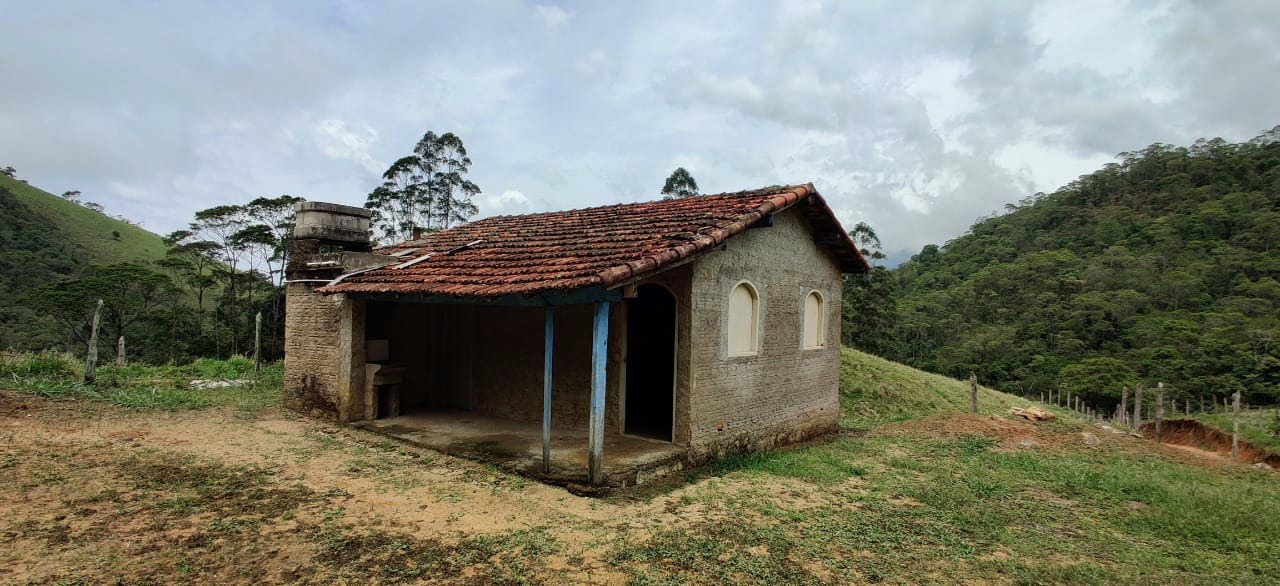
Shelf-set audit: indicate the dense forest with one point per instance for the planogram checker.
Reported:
(1161, 267)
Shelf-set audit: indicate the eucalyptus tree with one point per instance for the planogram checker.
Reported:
(425, 190)
(679, 184)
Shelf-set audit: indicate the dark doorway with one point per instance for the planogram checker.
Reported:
(651, 362)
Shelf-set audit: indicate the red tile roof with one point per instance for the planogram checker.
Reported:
(602, 246)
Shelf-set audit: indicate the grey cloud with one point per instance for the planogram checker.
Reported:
(157, 110)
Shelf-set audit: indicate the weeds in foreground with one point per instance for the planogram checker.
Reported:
(58, 375)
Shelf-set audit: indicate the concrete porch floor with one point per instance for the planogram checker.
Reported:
(516, 446)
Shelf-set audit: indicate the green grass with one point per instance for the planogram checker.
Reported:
(89, 231)
(876, 507)
(874, 390)
(1260, 427)
(936, 510)
(59, 375)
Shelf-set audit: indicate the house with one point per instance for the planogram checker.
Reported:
(603, 345)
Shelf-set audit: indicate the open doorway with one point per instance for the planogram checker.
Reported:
(651, 362)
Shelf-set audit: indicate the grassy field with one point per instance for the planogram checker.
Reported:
(90, 231)
(913, 491)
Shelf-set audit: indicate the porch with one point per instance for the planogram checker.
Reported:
(516, 446)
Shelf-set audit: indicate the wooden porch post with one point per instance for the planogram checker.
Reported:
(546, 389)
(595, 428)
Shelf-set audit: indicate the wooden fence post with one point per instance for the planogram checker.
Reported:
(1235, 429)
(91, 357)
(1124, 403)
(257, 344)
(973, 392)
(1159, 408)
(1137, 407)
(120, 356)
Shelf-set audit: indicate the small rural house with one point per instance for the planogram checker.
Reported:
(605, 345)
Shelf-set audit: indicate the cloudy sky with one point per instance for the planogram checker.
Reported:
(916, 117)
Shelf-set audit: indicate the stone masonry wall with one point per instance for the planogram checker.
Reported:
(311, 351)
(783, 393)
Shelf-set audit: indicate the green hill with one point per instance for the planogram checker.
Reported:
(88, 233)
(873, 390)
(44, 238)
(1162, 267)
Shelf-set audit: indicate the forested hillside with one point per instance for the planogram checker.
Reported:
(1161, 267)
(45, 238)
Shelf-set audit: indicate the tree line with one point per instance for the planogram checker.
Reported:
(227, 266)
(1162, 266)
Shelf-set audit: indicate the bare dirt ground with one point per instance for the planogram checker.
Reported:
(96, 494)
(93, 494)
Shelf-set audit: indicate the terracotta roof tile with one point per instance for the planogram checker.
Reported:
(602, 246)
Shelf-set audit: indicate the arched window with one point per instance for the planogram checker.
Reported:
(744, 314)
(814, 321)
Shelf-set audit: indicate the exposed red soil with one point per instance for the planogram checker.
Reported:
(1192, 433)
(1011, 433)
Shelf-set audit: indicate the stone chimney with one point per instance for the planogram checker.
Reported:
(330, 239)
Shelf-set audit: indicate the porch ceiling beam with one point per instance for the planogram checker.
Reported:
(550, 298)
(595, 427)
(547, 345)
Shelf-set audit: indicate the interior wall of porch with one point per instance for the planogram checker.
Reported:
(489, 359)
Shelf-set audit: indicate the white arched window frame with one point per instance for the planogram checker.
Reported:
(743, 325)
(814, 334)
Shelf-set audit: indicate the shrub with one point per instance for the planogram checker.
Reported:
(46, 364)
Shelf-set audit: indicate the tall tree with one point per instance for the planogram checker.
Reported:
(222, 225)
(129, 293)
(679, 184)
(869, 311)
(277, 217)
(425, 190)
(9, 172)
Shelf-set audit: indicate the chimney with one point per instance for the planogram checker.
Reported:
(333, 224)
(417, 233)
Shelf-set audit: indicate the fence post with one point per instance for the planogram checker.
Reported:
(120, 356)
(1235, 429)
(1159, 408)
(257, 344)
(973, 392)
(91, 357)
(1137, 407)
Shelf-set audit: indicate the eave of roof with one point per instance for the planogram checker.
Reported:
(584, 267)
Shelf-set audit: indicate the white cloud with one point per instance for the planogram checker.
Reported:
(916, 118)
(338, 141)
(554, 17)
(508, 202)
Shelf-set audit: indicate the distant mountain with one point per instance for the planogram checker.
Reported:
(1162, 267)
(45, 238)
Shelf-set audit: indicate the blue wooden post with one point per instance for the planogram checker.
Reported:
(546, 390)
(595, 428)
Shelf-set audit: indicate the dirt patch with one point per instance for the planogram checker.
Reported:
(1009, 434)
(13, 406)
(1190, 433)
(221, 496)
